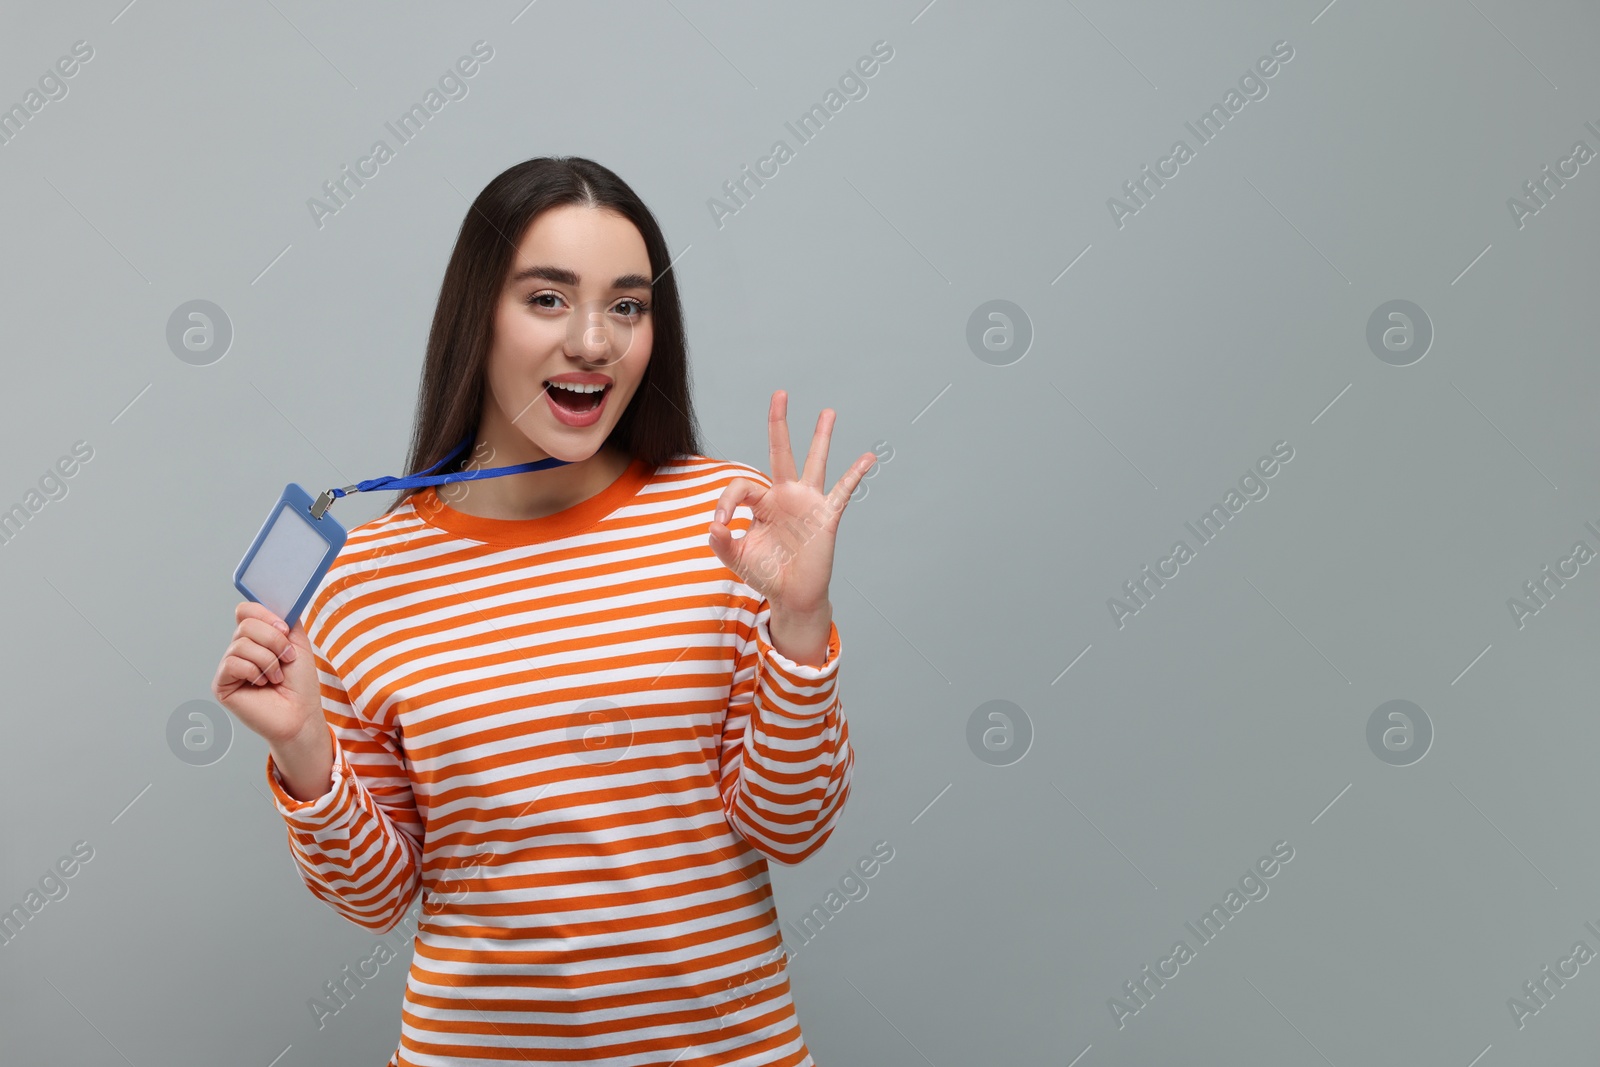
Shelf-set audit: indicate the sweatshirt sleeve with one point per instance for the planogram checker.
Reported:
(358, 846)
(786, 759)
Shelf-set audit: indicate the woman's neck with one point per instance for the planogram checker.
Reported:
(533, 494)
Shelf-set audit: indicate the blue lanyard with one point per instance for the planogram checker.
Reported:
(427, 477)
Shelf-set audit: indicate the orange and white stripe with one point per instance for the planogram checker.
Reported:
(573, 735)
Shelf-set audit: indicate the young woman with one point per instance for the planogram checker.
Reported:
(568, 706)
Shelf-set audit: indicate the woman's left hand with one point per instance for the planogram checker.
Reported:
(787, 554)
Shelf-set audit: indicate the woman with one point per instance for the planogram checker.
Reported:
(568, 705)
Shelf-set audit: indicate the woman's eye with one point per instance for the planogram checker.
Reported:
(638, 306)
(535, 299)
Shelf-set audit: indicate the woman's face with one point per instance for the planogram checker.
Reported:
(575, 307)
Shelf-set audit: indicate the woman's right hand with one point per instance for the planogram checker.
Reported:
(268, 678)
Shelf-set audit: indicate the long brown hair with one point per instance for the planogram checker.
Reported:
(659, 421)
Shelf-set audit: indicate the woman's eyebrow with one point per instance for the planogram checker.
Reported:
(563, 276)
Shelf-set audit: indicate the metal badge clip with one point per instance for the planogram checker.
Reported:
(326, 500)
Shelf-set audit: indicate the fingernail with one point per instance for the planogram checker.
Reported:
(283, 626)
(722, 516)
(290, 653)
(276, 675)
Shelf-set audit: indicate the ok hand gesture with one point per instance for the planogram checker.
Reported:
(787, 554)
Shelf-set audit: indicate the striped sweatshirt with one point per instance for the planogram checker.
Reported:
(572, 735)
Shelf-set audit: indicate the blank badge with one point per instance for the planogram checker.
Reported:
(290, 555)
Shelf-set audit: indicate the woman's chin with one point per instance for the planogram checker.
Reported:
(576, 450)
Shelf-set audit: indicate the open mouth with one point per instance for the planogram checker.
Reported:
(579, 400)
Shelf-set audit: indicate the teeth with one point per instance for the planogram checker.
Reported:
(576, 387)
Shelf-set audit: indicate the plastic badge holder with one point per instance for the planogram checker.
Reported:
(289, 556)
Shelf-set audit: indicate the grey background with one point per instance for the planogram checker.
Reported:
(1230, 313)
